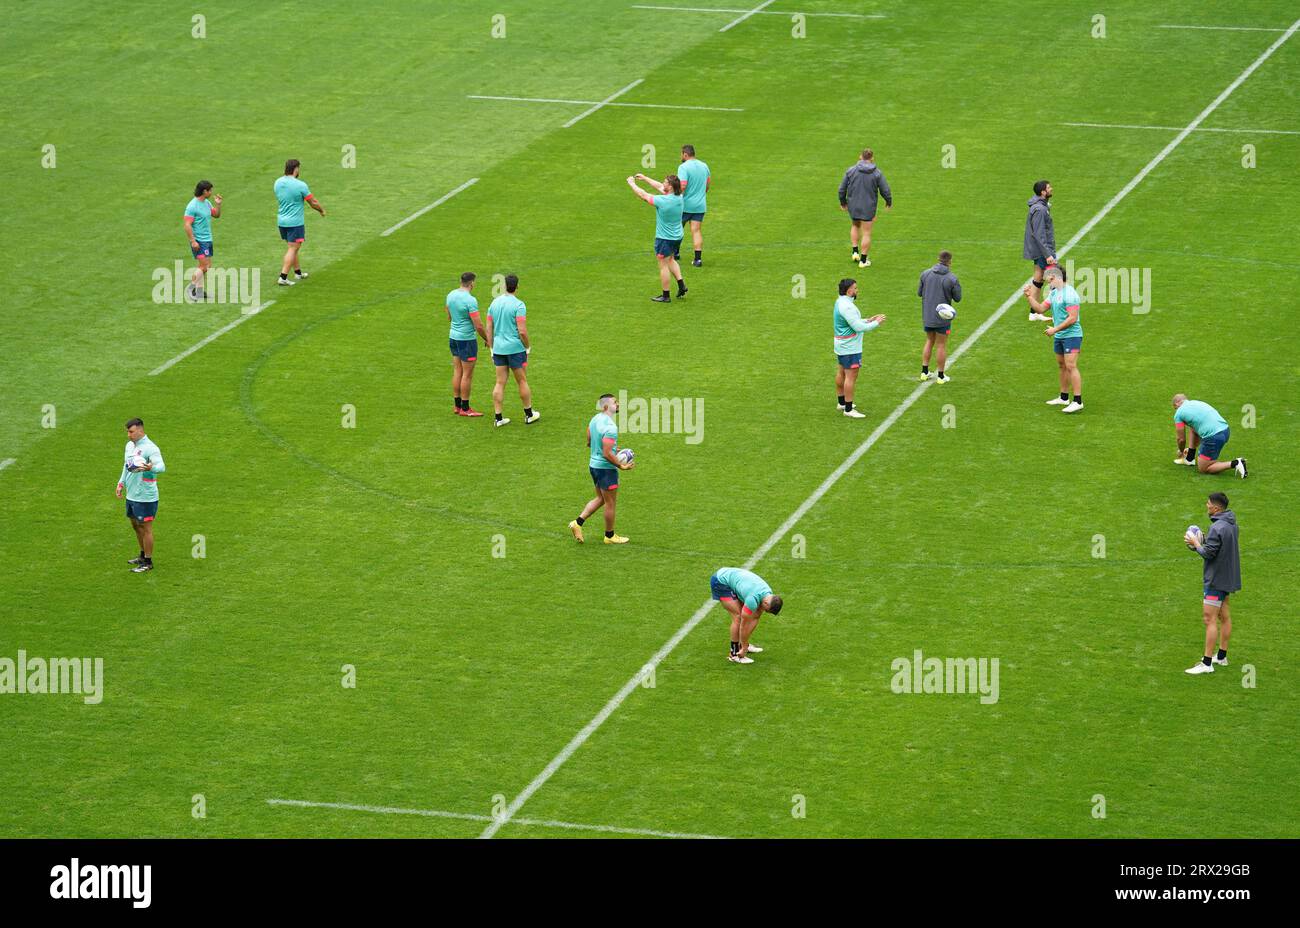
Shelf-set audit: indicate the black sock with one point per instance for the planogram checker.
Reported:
(848, 406)
(528, 412)
(1064, 395)
(841, 399)
(681, 285)
(1205, 661)
(855, 251)
(580, 520)
(148, 560)
(1078, 398)
(698, 253)
(1223, 654)
(498, 416)
(925, 368)
(142, 554)
(609, 534)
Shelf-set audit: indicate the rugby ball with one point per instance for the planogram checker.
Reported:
(624, 455)
(945, 311)
(1194, 531)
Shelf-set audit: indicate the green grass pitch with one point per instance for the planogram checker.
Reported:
(373, 546)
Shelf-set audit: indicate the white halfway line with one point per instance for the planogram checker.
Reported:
(473, 817)
(617, 700)
(438, 202)
(605, 102)
(652, 106)
(1225, 28)
(740, 19)
(7, 461)
(1110, 125)
(719, 9)
(243, 317)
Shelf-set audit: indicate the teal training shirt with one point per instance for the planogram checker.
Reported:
(201, 210)
(1061, 299)
(461, 304)
(290, 193)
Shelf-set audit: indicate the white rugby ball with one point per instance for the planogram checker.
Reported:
(945, 311)
(625, 455)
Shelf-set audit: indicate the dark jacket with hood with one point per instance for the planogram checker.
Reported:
(938, 284)
(1040, 234)
(1222, 558)
(861, 186)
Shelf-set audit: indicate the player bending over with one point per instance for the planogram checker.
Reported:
(746, 596)
(139, 483)
(849, 326)
(602, 439)
(1040, 238)
(668, 230)
(1209, 431)
(507, 333)
(1067, 335)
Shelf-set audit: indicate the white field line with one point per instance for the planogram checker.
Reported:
(436, 203)
(472, 817)
(7, 461)
(652, 106)
(740, 19)
(605, 102)
(617, 700)
(1224, 28)
(719, 9)
(244, 316)
(1116, 125)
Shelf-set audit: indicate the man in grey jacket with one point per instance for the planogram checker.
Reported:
(1040, 238)
(860, 190)
(938, 285)
(1221, 578)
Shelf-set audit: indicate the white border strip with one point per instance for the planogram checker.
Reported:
(605, 102)
(610, 707)
(7, 461)
(472, 817)
(651, 106)
(718, 9)
(438, 202)
(245, 315)
(1114, 125)
(1224, 28)
(740, 19)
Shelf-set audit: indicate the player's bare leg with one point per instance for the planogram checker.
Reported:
(456, 374)
(865, 235)
(733, 609)
(1206, 466)
(1210, 616)
(199, 278)
(499, 388)
(747, 625)
(1225, 627)
(1072, 370)
(1063, 377)
(925, 352)
(941, 343)
(697, 234)
(466, 383)
(850, 384)
(146, 539)
(839, 383)
(611, 504)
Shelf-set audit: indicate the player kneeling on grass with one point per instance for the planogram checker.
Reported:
(290, 194)
(1067, 334)
(849, 326)
(938, 286)
(604, 464)
(1221, 578)
(462, 311)
(507, 333)
(139, 483)
(746, 596)
(1209, 432)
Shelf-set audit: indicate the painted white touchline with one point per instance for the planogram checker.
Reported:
(7, 461)
(652, 106)
(605, 102)
(719, 9)
(244, 316)
(740, 19)
(609, 708)
(479, 817)
(1116, 125)
(438, 202)
(1224, 28)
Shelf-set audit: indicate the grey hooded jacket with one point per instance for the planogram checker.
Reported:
(861, 186)
(1222, 558)
(1040, 234)
(938, 284)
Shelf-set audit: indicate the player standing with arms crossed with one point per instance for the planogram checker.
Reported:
(696, 183)
(1220, 578)
(746, 596)
(139, 483)
(199, 214)
(668, 230)
(507, 333)
(462, 311)
(603, 462)
(290, 194)
(849, 326)
(1040, 238)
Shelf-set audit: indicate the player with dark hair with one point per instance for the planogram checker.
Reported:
(1220, 578)
(696, 183)
(462, 312)
(937, 285)
(290, 194)
(849, 326)
(603, 462)
(139, 483)
(507, 333)
(668, 229)
(746, 596)
(197, 220)
(1040, 238)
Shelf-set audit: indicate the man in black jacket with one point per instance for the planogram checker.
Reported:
(1221, 578)
(1040, 238)
(938, 286)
